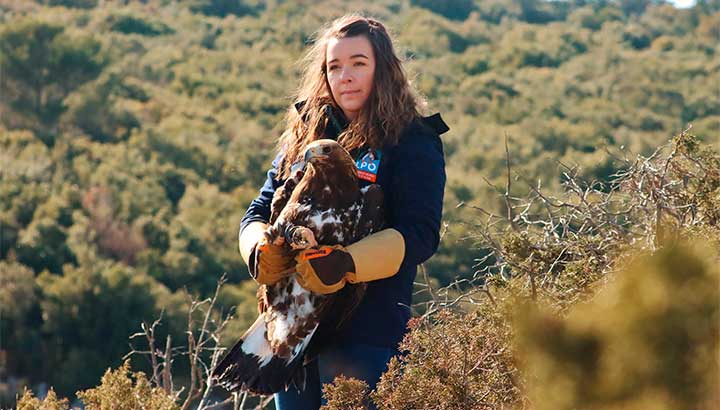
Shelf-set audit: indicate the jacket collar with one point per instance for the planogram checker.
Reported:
(436, 123)
(336, 119)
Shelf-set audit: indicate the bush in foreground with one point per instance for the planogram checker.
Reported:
(648, 340)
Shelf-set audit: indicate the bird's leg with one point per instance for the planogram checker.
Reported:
(300, 237)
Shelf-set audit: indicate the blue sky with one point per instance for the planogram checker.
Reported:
(683, 3)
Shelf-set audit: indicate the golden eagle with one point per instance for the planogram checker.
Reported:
(321, 203)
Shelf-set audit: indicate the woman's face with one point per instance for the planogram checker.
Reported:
(350, 65)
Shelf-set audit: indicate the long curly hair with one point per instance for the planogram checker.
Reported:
(391, 105)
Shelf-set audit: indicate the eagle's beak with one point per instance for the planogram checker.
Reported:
(313, 152)
(308, 155)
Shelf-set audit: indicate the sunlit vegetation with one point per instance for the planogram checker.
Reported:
(133, 136)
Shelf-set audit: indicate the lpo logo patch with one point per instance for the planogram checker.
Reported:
(368, 164)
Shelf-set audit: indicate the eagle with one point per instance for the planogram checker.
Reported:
(319, 204)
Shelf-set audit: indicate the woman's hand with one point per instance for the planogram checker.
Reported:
(325, 269)
(269, 261)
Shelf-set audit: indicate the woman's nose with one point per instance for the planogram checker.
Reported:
(346, 76)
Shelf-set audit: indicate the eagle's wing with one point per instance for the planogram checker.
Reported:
(282, 195)
(270, 354)
(372, 212)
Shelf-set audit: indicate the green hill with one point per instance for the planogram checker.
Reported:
(132, 138)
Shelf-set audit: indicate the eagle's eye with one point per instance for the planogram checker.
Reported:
(326, 150)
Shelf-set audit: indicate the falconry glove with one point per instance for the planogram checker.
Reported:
(326, 269)
(267, 262)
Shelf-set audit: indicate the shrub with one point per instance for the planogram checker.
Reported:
(51, 402)
(128, 24)
(119, 391)
(454, 10)
(649, 340)
(452, 361)
(345, 394)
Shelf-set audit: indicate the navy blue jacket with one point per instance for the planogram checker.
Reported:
(412, 176)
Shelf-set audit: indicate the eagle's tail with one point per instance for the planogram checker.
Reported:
(251, 365)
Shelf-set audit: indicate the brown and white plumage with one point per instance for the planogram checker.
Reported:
(320, 204)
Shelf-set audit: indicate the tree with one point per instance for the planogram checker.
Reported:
(19, 319)
(222, 8)
(93, 109)
(87, 314)
(454, 10)
(41, 65)
(80, 4)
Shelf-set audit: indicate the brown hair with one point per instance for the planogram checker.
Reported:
(391, 105)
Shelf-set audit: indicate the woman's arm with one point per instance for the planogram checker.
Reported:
(259, 209)
(248, 237)
(417, 196)
(267, 263)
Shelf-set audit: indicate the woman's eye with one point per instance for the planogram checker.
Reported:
(332, 67)
(359, 63)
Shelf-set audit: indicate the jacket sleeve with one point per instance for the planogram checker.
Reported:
(417, 195)
(259, 209)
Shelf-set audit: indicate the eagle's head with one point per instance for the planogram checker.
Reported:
(326, 152)
(329, 175)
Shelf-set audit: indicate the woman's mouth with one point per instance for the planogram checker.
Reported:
(353, 92)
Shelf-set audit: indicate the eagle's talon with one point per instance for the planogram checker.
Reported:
(302, 238)
(273, 235)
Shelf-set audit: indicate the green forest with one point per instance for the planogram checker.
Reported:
(133, 135)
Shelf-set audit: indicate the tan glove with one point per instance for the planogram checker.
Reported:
(326, 269)
(267, 262)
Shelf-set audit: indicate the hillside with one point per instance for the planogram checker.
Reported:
(133, 137)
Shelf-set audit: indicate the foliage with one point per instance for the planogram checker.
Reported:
(560, 248)
(119, 391)
(452, 362)
(51, 402)
(455, 10)
(82, 4)
(649, 340)
(345, 394)
(17, 289)
(629, 314)
(134, 134)
(128, 24)
(222, 8)
(18, 307)
(94, 109)
(205, 326)
(82, 306)
(43, 64)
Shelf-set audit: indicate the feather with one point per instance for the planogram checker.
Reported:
(321, 203)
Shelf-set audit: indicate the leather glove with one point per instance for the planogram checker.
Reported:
(326, 269)
(267, 262)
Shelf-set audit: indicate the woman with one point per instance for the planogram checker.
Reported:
(354, 90)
